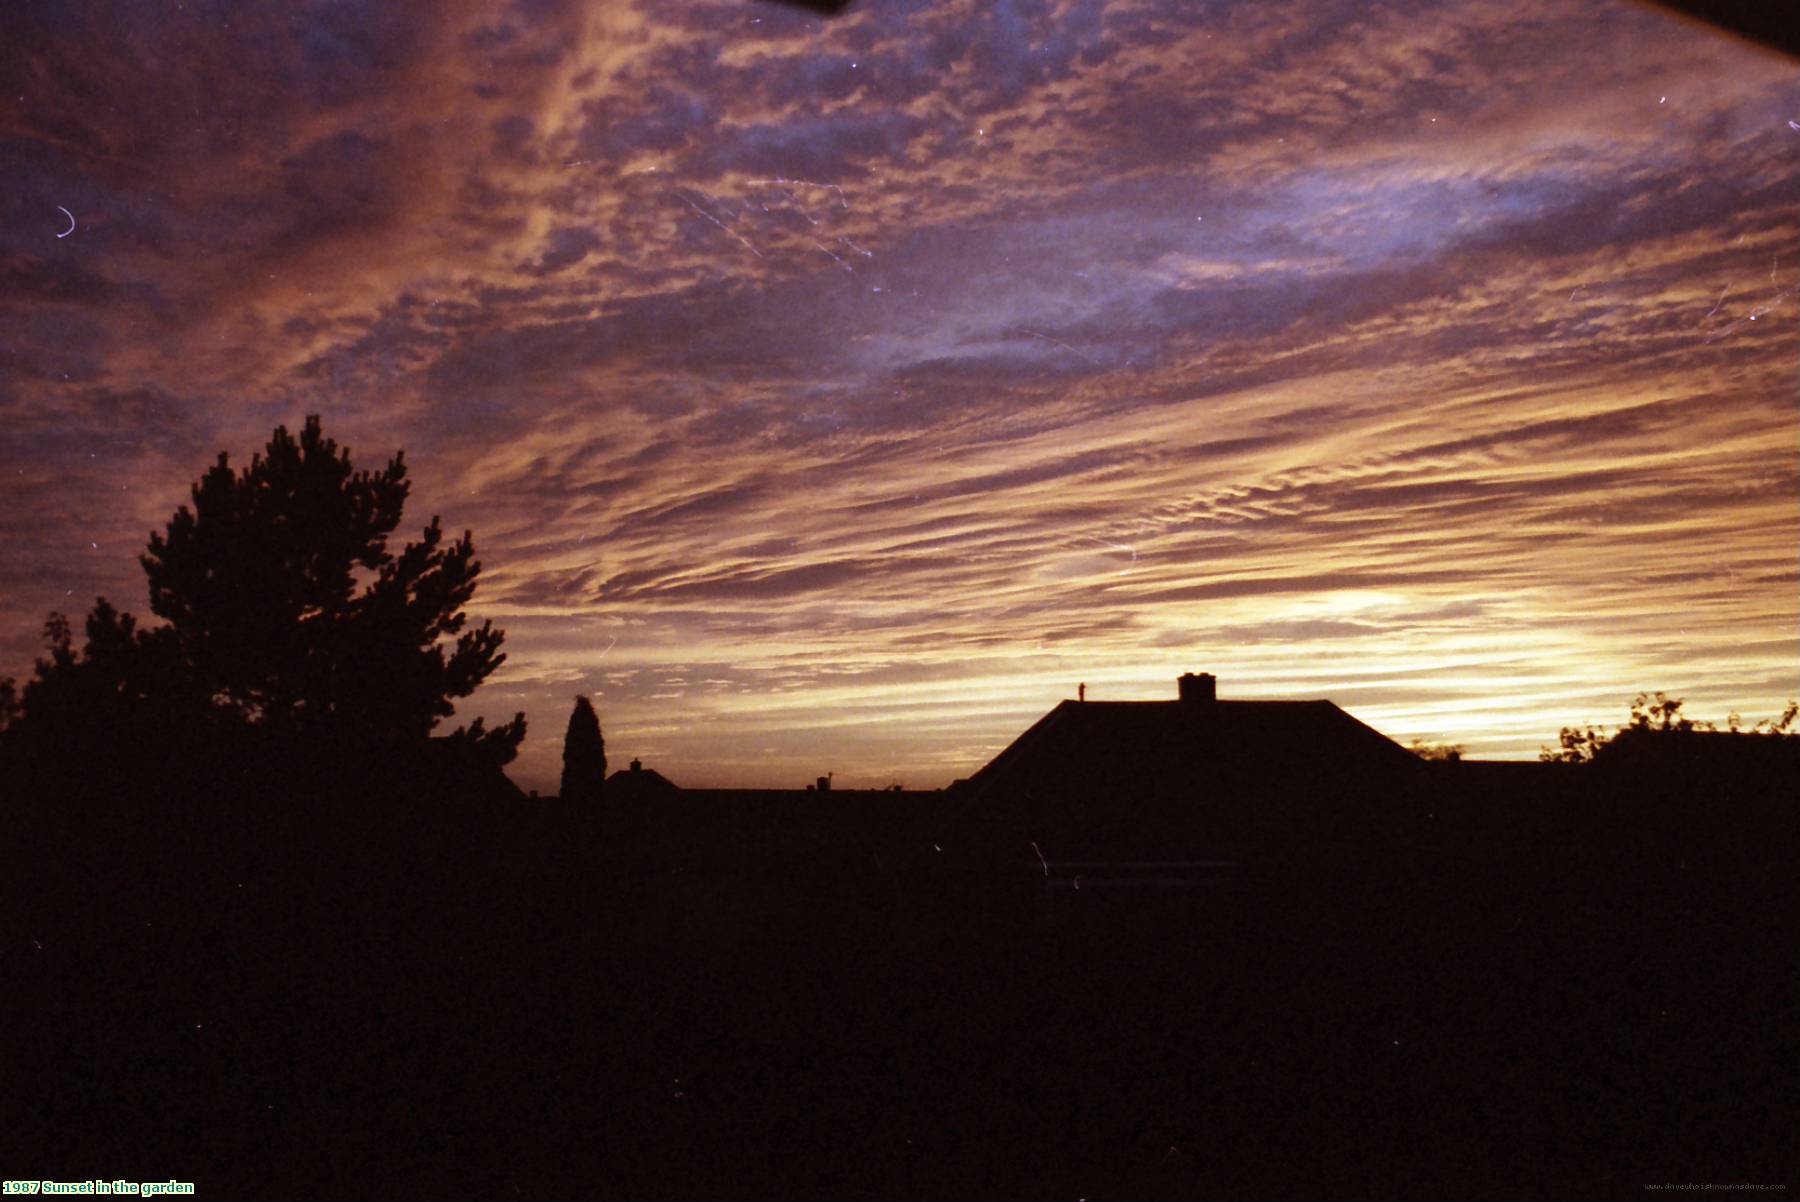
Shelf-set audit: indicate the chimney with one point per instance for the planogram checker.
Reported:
(637, 766)
(1198, 687)
(824, 784)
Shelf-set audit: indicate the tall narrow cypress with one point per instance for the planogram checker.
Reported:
(584, 755)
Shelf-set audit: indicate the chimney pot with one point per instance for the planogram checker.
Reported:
(1198, 687)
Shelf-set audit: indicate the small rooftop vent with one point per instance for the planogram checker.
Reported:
(1198, 687)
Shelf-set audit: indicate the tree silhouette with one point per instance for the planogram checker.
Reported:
(120, 676)
(9, 702)
(1576, 745)
(1659, 711)
(1654, 714)
(584, 754)
(286, 611)
(1437, 752)
(285, 600)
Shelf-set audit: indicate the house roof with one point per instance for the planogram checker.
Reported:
(1175, 779)
(638, 782)
(1181, 741)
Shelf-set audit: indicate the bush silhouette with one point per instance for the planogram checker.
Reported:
(1654, 714)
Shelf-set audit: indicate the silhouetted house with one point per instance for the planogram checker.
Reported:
(1155, 795)
(638, 783)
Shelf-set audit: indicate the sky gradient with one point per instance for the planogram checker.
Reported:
(837, 394)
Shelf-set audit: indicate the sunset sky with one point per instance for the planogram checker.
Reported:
(838, 394)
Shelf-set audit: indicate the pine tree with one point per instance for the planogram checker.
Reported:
(285, 612)
(584, 755)
(288, 606)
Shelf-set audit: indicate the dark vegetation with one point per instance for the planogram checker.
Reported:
(263, 933)
(584, 755)
(1451, 752)
(286, 618)
(1660, 714)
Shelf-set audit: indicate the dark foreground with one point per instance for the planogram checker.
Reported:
(278, 989)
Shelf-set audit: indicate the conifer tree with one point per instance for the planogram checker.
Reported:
(286, 610)
(286, 602)
(584, 754)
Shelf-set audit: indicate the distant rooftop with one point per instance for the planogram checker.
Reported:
(1156, 778)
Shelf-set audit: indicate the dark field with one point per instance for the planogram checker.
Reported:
(1522, 982)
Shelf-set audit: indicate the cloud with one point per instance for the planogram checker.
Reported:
(848, 389)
